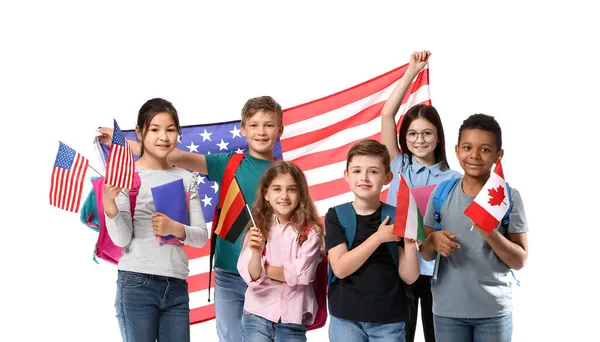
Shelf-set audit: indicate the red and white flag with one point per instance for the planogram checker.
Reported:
(318, 134)
(120, 167)
(68, 174)
(317, 137)
(491, 204)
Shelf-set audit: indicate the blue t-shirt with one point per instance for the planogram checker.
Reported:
(416, 176)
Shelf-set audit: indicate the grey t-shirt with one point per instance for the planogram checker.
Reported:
(141, 250)
(472, 282)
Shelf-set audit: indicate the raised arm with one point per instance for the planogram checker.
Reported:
(185, 160)
(417, 62)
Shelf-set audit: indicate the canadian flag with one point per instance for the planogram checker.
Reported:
(491, 204)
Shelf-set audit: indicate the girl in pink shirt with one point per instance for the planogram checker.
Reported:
(280, 300)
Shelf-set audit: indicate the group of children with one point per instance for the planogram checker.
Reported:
(263, 281)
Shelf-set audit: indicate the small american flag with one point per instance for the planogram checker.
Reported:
(68, 174)
(119, 166)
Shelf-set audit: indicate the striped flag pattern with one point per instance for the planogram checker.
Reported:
(345, 118)
(120, 166)
(230, 225)
(68, 174)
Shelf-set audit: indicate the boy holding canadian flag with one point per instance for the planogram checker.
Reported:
(475, 245)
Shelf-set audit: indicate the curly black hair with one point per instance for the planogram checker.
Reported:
(483, 122)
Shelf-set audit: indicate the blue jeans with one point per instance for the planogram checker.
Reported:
(495, 329)
(342, 330)
(230, 291)
(151, 307)
(258, 329)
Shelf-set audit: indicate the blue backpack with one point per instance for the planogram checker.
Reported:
(439, 198)
(347, 217)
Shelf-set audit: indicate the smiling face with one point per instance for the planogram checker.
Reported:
(477, 152)
(421, 140)
(283, 196)
(160, 138)
(366, 175)
(261, 130)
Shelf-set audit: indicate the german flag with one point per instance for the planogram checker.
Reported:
(232, 214)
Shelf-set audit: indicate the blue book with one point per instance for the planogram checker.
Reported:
(170, 199)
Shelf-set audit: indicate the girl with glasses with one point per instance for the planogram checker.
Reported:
(418, 152)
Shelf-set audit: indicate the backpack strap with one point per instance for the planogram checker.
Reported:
(230, 169)
(390, 211)
(439, 197)
(506, 218)
(133, 193)
(347, 218)
(506, 223)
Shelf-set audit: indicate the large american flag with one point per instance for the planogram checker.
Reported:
(317, 137)
(318, 134)
(119, 166)
(67, 179)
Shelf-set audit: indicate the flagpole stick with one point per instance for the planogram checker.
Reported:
(472, 227)
(252, 218)
(103, 176)
(90, 166)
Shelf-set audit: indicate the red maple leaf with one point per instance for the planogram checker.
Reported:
(496, 195)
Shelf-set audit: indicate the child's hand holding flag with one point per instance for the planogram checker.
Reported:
(491, 204)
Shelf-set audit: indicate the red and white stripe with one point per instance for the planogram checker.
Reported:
(342, 119)
(120, 167)
(66, 185)
(318, 134)
(200, 309)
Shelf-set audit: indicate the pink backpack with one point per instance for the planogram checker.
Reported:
(105, 248)
(320, 289)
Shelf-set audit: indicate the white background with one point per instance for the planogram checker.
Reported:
(66, 68)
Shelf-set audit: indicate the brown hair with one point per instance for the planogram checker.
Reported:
(304, 215)
(370, 147)
(430, 114)
(149, 110)
(262, 103)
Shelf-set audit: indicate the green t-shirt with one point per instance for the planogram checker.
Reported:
(248, 175)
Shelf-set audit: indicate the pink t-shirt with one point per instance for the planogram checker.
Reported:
(272, 299)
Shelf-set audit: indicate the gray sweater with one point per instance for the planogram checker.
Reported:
(141, 250)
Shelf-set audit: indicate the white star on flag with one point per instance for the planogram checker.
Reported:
(239, 150)
(235, 132)
(223, 145)
(206, 135)
(201, 179)
(193, 148)
(215, 186)
(207, 200)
